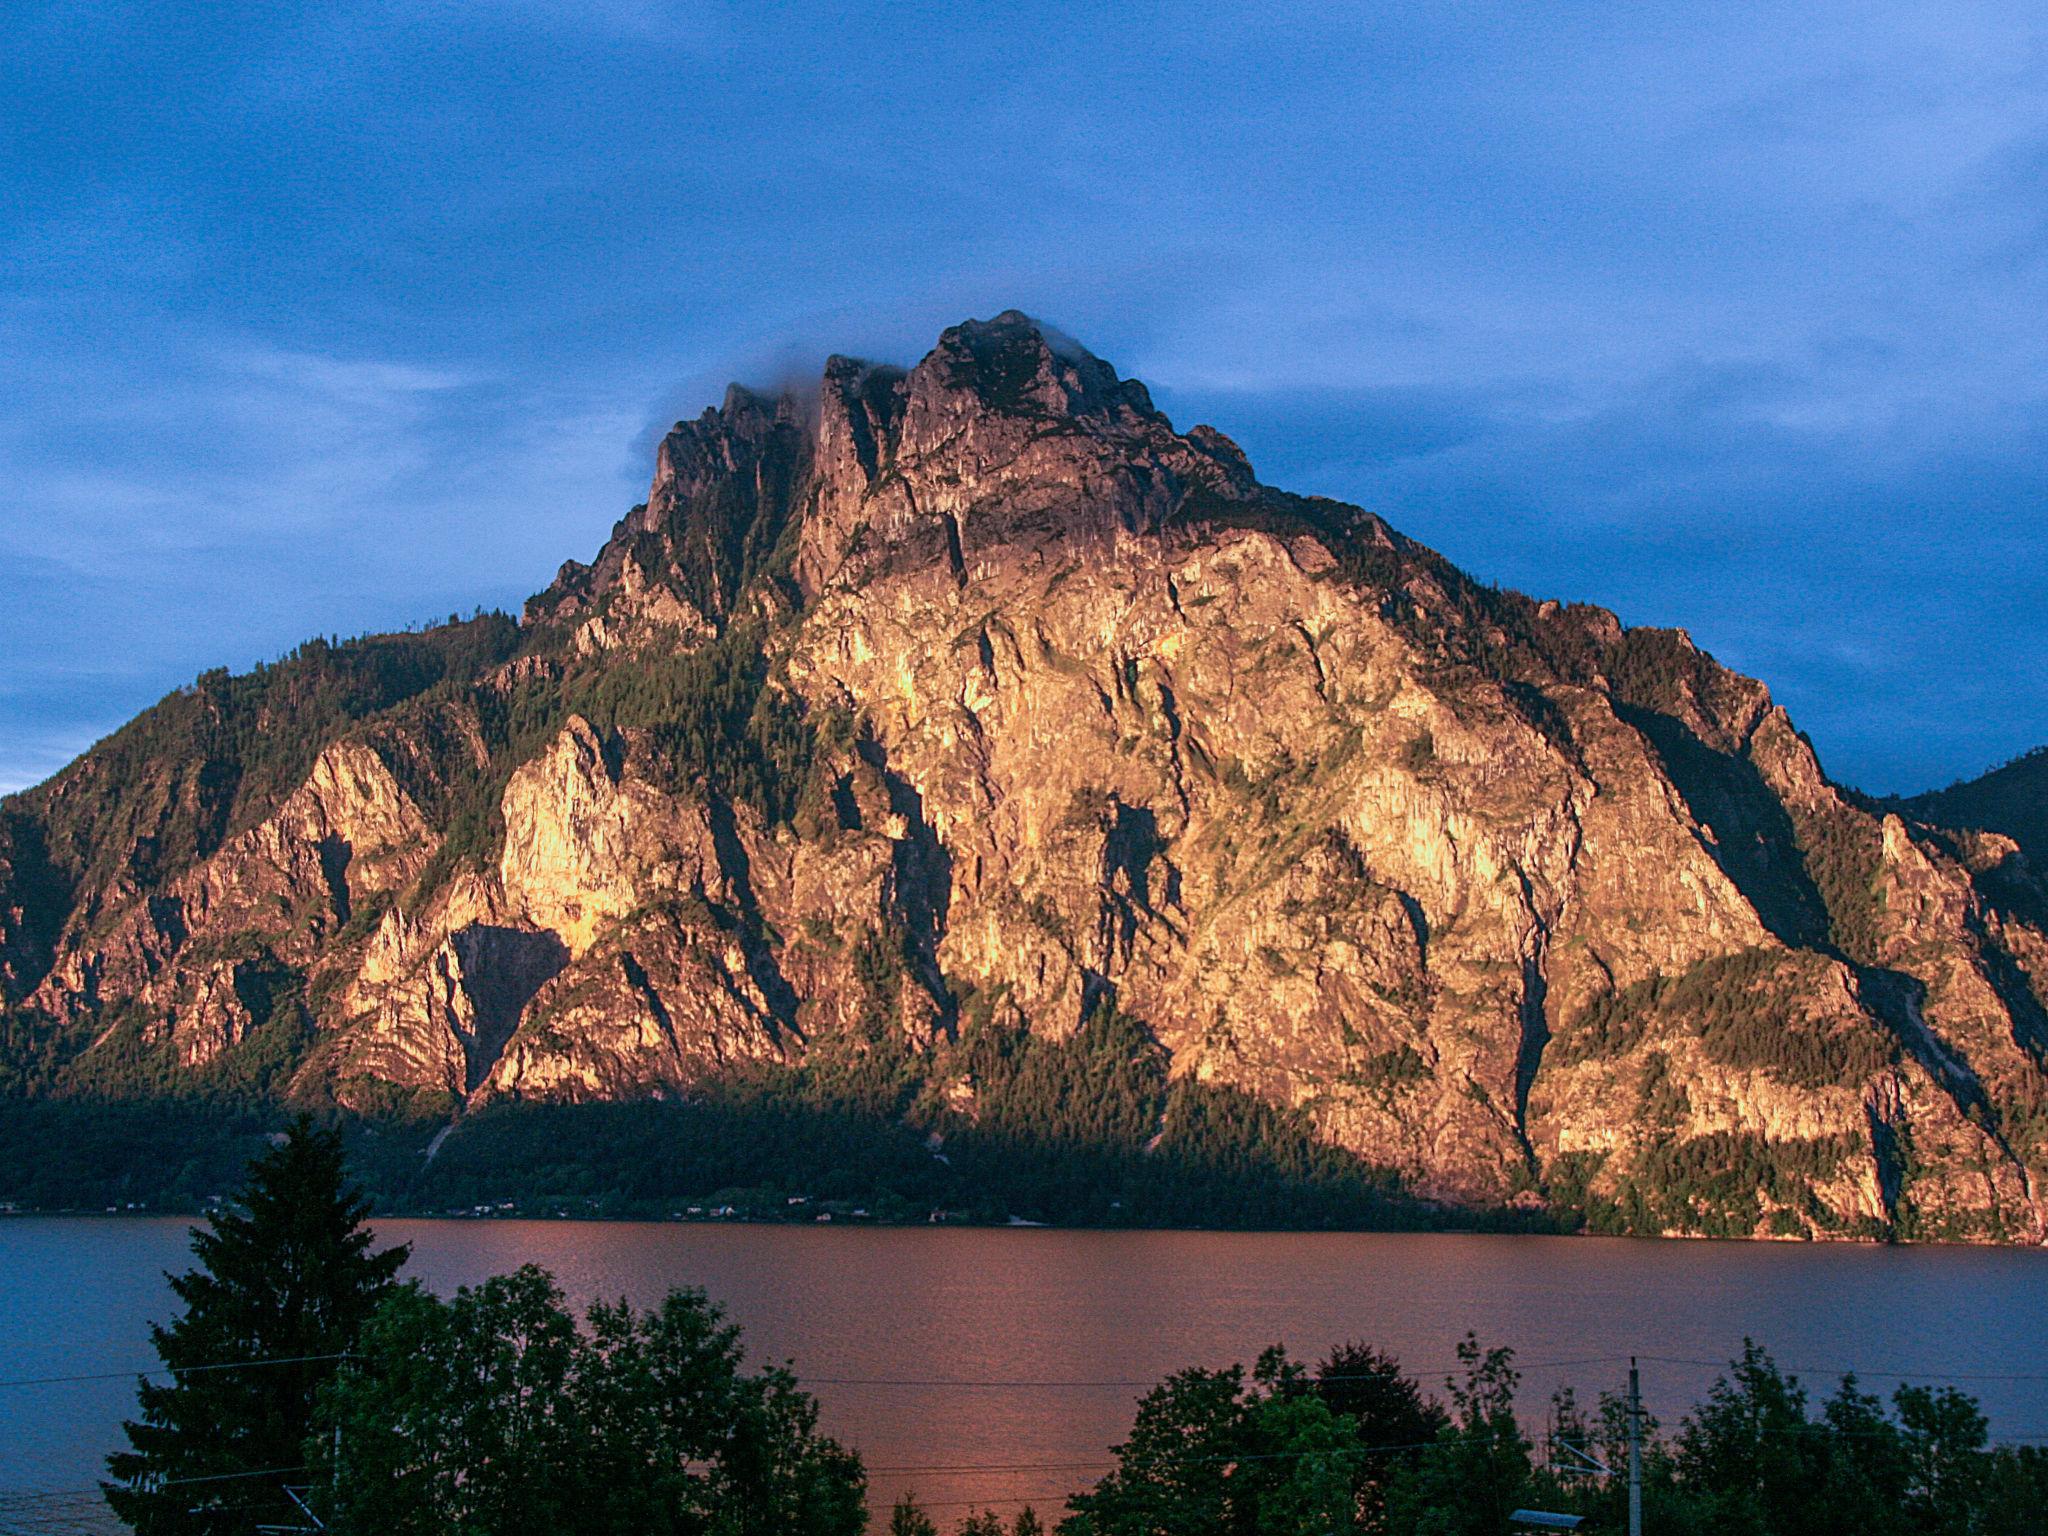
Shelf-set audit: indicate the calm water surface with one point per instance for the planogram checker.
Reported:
(946, 1354)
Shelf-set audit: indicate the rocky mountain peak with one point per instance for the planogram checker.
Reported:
(725, 484)
(1007, 435)
(1016, 365)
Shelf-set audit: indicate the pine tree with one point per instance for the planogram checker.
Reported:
(283, 1286)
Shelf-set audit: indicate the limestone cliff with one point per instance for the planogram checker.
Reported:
(977, 693)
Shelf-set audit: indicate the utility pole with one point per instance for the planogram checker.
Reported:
(1635, 1450)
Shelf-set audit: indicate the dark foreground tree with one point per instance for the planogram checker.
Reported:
(1394, 1423)
(1215, 1453)
(1477, 1471)
(284, 1285)
(1212, 1454)
(494, 1412)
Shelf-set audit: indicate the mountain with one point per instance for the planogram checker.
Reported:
(2011, 799)
(974, 748)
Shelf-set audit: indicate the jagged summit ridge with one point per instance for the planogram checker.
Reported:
(999, 436)
(975, 697)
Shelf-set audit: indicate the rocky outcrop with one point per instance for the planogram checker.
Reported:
(977, 693)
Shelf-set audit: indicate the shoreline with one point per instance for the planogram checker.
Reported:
(593, 1218)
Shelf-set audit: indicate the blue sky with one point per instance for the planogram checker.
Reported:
(326, 319)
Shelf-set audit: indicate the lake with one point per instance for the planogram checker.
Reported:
(983, 1366)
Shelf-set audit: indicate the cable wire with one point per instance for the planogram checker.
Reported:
(152, 1487)
(1108, 1382)
(1090, 1383)
(1850, 1370)
(168, 1370)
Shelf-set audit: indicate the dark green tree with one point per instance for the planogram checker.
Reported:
(1392, 1421)
(495, 1412)
(285, 1284)
(1172, 1473)
(1751, 1452)
(1220, 1454)
(1946, 1470)
(1861, 1462)
(1478, 1470)
(1215, 1453)
(909, 1519)
(2015, 1490)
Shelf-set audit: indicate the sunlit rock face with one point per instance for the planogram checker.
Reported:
(978, 681)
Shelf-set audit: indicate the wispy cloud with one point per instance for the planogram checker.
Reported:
(246, 496)
(357, 382)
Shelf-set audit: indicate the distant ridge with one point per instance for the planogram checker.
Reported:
(2011, 798)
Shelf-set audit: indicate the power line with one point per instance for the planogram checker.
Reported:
(1850, 1370)
(168, 1370)
(1417, 1373)
(1105, 1383)
(825, 1381)
(945, 1469)
(919, 1382)
(1231, 1457)
(153, 1486)
(993, 1466)
(1108, 1382)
